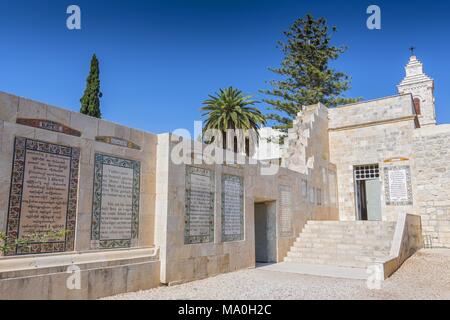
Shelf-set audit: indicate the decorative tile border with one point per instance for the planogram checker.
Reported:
(387, 188)
(21, 145)
(48, 125)
(195, 239)
(101, 160)
(118, 142)
(240, 181)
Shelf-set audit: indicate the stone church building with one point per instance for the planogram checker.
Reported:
(89, 208)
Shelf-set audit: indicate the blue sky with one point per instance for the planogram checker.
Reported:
(160, 59)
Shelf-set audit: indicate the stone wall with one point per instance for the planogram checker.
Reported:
(406, 242)
(183, 261)
(432, 173)
(386, 132)
(388, 109)
(307, 151)
(101, 159)
(15, 109)
(78, 175)
(366, 146)
(101, 274)
(382, 134)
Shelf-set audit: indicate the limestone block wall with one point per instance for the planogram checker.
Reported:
(102, 274)
(162, 191)
(20, 117)
(307, 152)
(370, 143)
(373, 111)
(406, 242)
(181, 261)
(432, 173)
(365, 146)
(321, 170)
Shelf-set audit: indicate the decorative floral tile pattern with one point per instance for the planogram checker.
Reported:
(21, 145)
(101, 160)
(387, 187)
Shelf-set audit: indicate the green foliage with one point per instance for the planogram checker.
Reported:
(90, 102)
(39, 237)
(3, 243)
(306, 77)
(230, 109)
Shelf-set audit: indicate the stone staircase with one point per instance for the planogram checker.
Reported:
(355, 244)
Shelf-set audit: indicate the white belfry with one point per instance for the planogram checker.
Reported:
(421, 87)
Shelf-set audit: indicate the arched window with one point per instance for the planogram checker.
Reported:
(417, 106)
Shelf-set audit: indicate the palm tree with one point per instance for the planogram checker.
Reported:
(231, 109)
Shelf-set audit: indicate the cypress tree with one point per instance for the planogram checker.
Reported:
(90, 102)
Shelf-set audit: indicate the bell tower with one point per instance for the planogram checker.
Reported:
(421, 87)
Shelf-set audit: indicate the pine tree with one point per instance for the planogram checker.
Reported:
(306, 76)
(90, 102)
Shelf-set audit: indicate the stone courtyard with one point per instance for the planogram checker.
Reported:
(425, 276)
(91, 209)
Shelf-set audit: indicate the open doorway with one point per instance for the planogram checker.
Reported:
(368, 192)
(265, 232)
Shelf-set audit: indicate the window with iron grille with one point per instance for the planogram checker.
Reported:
(368, 172)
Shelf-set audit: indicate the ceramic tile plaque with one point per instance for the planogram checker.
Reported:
(397, 180)
(285, 216)
(232, 208)
(43, 197)
(115, 221)
(199, 218)
(49, 125)
(333, 187)
(304, 188)
(118, 142)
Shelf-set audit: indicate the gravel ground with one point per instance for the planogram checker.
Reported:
(424, 276)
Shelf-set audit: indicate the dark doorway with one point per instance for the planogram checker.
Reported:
(368, 193)
(265, 232)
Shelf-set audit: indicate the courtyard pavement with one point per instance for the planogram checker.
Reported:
(424, 276)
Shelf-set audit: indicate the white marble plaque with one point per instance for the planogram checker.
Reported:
(398, 185)
(285, 217)
(312, 195)
(304, 188)
(232, 208)
(333, 188)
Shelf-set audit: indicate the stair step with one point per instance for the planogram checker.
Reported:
(346, 241)
(358, 256)
(355, 242)
(340, 263)
(347, 244)
(341, 250)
